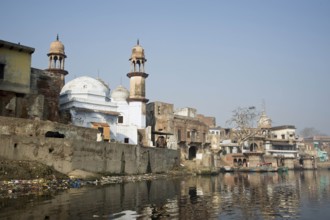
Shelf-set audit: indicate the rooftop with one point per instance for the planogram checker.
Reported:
(18, 47)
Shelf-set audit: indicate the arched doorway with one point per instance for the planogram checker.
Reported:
(192, 152)
(253, 147)
(235, 162)
(244, 162)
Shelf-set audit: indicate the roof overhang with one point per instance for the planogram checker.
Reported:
(17, 47)
(100, 124)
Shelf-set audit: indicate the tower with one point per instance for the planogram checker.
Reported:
(264, 120)
(57, 57)
(137, 97)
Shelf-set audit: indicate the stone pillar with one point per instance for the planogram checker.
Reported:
(288, 162)
(309, 164)
(49, 62)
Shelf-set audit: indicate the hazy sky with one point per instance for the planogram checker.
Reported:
(211, 55)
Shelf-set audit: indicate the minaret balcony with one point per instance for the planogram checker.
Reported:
(142, 74)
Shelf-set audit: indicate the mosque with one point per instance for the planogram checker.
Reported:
(120, 114)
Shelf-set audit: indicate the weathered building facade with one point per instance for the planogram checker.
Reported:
(29, 92)
(185, 130)
(315, 146)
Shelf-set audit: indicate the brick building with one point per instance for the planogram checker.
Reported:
(182, 129)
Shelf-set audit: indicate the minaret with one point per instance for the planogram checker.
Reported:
(137, 97)
(57, 57)
(264, 120)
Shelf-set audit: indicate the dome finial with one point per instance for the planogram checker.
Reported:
(138, 42)
(57, 38)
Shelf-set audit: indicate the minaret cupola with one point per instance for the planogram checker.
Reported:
(56, 56)
(137, 58)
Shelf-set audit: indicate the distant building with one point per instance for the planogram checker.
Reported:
(282, 142)
(215, 136)
(317, 146)
(277, 144)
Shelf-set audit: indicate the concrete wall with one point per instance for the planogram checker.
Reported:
(66, 155)
(210, 121)
(38, 129)
(17, 70)
(23, 139)
(186, 112)
(309, 164)
(48, 84)
(289, 163)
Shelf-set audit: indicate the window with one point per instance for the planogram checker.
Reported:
(120, 119)
(179, 135)
(126, 140)
(283, 136)
(158, 109)
(2, 71)
(194, 135)
(188, 134)
(100, 129)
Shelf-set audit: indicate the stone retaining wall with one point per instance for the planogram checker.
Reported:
(23, 139)
(38, 128)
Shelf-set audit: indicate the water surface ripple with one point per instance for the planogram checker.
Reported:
(292, 195)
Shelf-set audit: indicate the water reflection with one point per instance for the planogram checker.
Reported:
(302, 195)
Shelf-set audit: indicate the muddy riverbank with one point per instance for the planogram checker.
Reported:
(19, 178)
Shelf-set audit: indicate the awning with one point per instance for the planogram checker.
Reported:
(100, 124)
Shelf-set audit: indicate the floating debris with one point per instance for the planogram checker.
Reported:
(13, 188)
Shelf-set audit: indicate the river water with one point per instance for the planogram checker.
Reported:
(291, 195)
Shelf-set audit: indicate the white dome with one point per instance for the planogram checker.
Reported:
(120, 94)
(86, 85)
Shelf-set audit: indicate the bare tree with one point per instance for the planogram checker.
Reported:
(242, 122)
